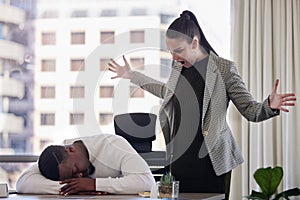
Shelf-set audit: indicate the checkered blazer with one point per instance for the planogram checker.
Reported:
(222, 85)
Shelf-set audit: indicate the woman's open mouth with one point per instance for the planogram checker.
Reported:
(181, 61)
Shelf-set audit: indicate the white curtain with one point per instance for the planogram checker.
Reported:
(266, 46)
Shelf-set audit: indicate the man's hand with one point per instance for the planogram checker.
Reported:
(77, 185)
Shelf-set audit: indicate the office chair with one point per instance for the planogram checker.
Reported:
(137, 128)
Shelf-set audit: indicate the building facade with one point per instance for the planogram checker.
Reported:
(16, 77)
(74, 93)
(16, 84)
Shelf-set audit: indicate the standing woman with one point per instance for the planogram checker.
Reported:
(195, 100)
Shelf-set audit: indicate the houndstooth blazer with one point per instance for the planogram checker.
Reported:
(222, 85)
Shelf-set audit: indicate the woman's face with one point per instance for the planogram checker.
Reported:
(182, 51)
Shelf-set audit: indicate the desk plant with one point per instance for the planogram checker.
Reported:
(165, 187)
(268, 180)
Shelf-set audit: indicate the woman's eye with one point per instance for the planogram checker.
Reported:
(178, 50)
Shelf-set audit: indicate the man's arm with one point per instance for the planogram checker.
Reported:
(135, 175)
(32, 181)
(119, 169)
(130, 184)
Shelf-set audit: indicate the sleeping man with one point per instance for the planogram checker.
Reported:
(89, 165)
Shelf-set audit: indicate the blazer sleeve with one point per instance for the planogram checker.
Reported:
(236, 89)
(153, 86)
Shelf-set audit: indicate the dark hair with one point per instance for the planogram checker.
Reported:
(186, 26)
(49, 160)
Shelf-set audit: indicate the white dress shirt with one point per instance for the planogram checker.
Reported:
(119, 169)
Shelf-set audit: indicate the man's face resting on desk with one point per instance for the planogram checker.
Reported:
(74, 166)
(59, 163)
(71, 166)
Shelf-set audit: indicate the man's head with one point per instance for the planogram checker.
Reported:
(64, 162)
(49, 160)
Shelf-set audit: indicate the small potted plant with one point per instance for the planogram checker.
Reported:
(268, 180)
(167, 186)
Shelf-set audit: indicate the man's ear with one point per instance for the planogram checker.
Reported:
(69, 148)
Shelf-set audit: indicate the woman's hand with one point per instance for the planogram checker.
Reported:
(77, 185)
(121, 71)
(277, 101)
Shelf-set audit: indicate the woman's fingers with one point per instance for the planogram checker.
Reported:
(114, 62)
(112, 70)
(114, 77)
(284, 109)
(289, 99)
(292, 95)
(125, 61)
(288, 104)
(121, 71)
(275, 86)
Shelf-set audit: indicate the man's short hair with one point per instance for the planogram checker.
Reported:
(49, 160)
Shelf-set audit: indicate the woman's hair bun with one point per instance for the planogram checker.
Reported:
(185, 15)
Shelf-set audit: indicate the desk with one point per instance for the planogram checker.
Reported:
(182, 196)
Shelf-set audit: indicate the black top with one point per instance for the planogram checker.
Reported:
(191, 163)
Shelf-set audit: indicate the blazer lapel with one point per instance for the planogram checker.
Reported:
(210, 81)
(176, 70)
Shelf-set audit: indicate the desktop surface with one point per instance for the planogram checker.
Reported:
(182, 196)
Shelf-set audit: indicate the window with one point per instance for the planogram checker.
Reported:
(165, 67)
(163, 44)
(136, 92)
(105, 118)
(138, 12)
(77, 92)
(108, 13)
(166, 18)
(47, 119)
(48, 65)
(137, 37)
(78, 38)
(1, 68)
(106, 91)
(1, 28)
(4, 31)
(50, 14)
(104, 63)
(55, 75)
(77, 65)
(76, 118)
(107, 37)
(137, 63)
(79, 13)
(47, 92)
(48, 38)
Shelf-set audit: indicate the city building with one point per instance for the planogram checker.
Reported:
(74, 93)
(16, 77)
(16, 82)
(54, 80)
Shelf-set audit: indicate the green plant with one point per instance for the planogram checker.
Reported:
(167, 179)
(165, 188)
(268, 180)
